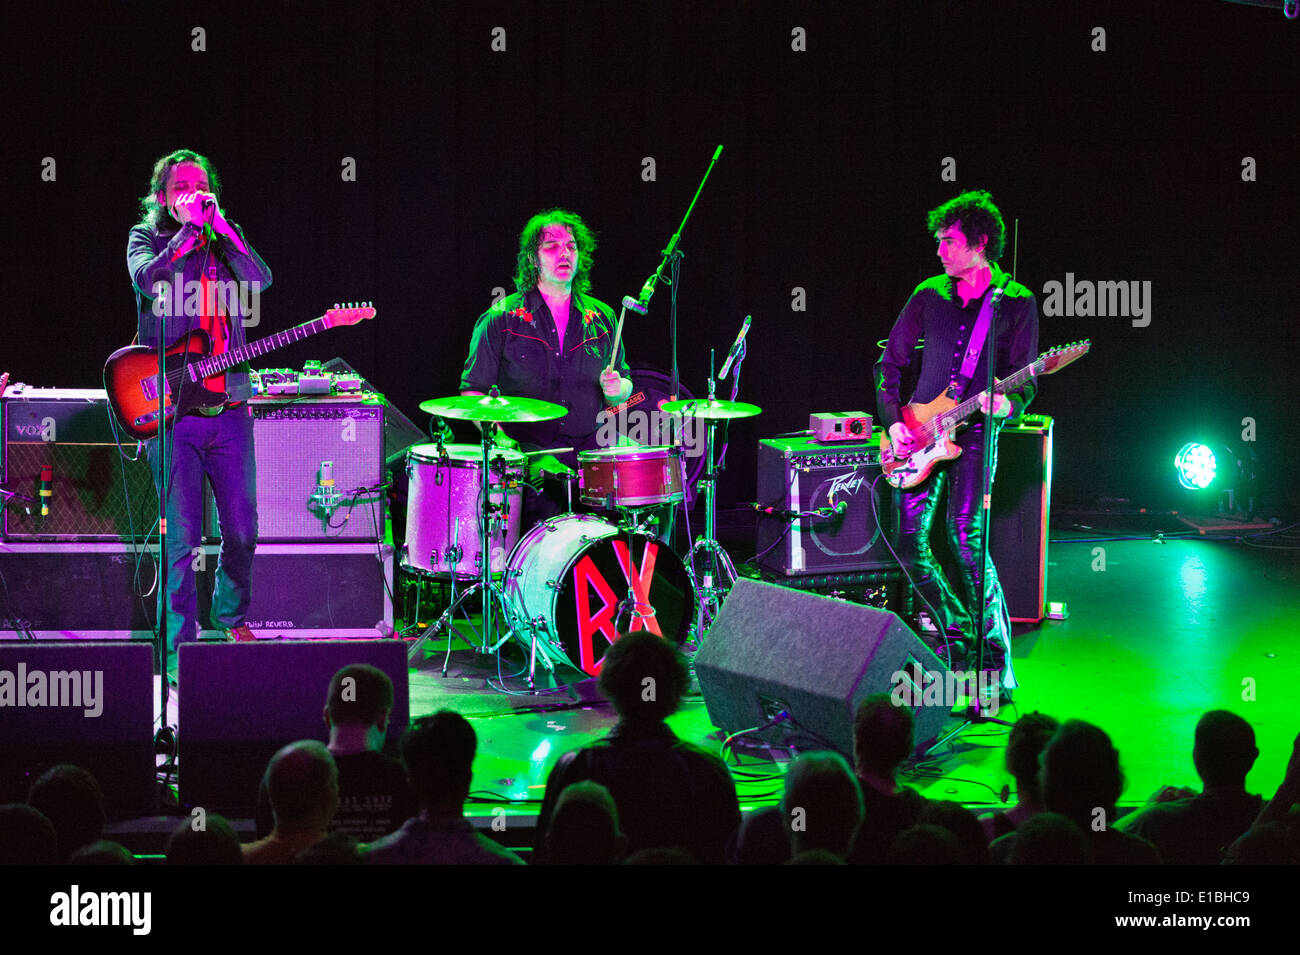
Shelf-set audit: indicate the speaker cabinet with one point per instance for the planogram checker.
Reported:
(313, 590)
(773, 649)
(89, 704)
(99, 493)
(103, 591)
(88, 590)
(1022, 502)
(241, 702)
(293, 440)
(799, 475)
(1022, 492)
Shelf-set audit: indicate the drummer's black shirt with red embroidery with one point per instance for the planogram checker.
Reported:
(515, 348)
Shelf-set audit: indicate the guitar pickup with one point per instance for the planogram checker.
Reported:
(148, 387)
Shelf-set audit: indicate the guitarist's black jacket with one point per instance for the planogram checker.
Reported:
(934, 312)
(151, 258)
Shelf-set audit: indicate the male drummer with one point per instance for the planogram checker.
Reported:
(550, 340)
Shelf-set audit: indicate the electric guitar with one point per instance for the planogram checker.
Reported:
(131, 373)
(934, 423)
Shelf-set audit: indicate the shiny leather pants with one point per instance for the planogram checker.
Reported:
(964, 480)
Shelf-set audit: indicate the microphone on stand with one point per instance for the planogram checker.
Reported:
(47, 489)
(325, 497)
(735, 348)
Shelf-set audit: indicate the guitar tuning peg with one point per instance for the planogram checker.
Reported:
(336, 304)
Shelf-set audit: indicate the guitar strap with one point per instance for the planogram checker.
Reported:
(977, 337)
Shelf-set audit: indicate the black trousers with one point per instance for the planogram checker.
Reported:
(957, 613)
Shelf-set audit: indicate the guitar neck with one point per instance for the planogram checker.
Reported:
(216, 364)
(954, 416)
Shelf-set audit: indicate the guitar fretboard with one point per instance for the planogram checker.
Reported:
(942, 423)
(216, 364)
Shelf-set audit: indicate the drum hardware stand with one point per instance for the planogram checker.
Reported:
(548, 660)
(719, 562)
(493, 596)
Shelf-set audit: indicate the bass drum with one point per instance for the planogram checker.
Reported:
(568, 581)
(642, 420)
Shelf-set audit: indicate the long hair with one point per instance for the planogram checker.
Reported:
(156, 215)
(526, 262)
(976, 215)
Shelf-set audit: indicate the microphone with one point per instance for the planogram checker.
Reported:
(632, 304)
(209, 202)
(735, 348)
(325, 497)
(648, 289)
(47, 489)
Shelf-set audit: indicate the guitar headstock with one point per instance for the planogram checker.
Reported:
(1057, 358)
(349, 314)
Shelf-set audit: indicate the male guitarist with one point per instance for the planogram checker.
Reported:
(192, 269)
(945, 311)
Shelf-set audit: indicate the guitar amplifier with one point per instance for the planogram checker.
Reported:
(802, 476)
(99, 493)
(1022, 490)
(293, 440)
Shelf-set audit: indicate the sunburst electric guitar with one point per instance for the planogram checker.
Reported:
(934, 424)
(131, 373)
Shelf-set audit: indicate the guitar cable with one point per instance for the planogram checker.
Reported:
(935, 616)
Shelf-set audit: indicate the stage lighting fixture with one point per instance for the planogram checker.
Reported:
(1195, 464)
(1221, 480)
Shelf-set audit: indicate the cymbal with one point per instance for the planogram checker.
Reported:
(501, 409)
(713, 409)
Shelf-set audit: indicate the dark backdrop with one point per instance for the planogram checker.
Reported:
(1120, 165)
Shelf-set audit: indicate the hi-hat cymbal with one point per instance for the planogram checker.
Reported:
(712, 409)
(500, 409)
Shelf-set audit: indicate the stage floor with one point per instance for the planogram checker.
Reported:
(1158, 632)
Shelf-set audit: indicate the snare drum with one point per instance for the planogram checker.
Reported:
(630, 477)
(444, 508)
(568, 580)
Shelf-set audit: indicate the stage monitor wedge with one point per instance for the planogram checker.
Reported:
(774, 649)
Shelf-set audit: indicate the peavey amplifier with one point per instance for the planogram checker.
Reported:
(830, 489)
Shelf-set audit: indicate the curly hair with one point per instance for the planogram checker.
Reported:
(152, 212)
(632, 660)
(976, 215)
(526, 261)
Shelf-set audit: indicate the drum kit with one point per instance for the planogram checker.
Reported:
(566, 588)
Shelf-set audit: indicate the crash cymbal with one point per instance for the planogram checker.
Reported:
(712, 409)
(499, 409)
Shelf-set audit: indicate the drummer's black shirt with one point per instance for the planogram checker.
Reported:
(515, 348)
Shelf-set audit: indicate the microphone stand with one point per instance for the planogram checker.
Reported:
(975, 708)
(670, 254)
(166, 735)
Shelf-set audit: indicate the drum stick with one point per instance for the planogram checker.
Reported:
(618, 336)
(529, 454)
(636, 306)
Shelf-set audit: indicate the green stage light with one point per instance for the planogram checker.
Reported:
(1195, 465)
